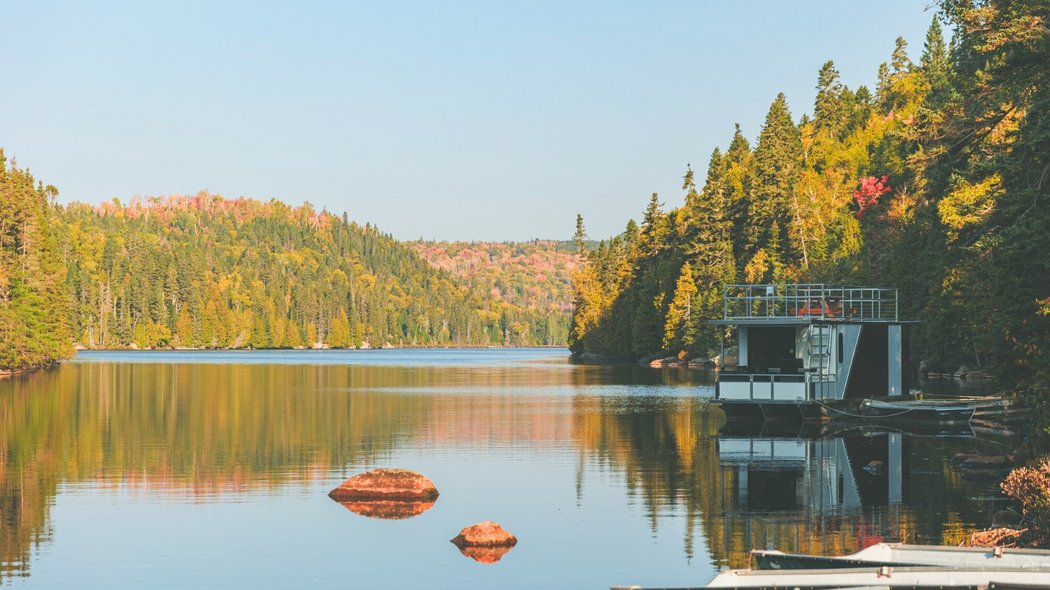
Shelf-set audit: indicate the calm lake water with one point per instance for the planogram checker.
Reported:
(211, 469)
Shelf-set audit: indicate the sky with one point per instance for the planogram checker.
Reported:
(437, 120)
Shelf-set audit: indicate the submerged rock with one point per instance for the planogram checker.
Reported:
(484, 542)
(388, 509)
(386, 484)
(484, 534)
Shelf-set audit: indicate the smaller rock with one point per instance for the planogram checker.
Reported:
(484, 534)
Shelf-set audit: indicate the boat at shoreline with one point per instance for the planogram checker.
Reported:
(903, 555)
(940, 411)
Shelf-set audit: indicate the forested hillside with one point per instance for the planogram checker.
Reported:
(936, 181)
(209, 272)
(528, 279)
(33, 297)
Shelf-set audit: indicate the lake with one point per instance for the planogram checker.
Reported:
(211, 470)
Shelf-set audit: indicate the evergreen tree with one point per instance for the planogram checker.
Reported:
(738, 165)
(580, 237)
(776, 168)
(830, 111)
(936, 67)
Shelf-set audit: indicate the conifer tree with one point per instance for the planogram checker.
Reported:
(738, 166)
(580, 237)
(777, 158)
(830, 111)
(936, 67)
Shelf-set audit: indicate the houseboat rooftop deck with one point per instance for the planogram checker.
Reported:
(798, 303)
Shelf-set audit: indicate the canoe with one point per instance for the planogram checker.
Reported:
(882, 577)
(926, 410)
(899, 555)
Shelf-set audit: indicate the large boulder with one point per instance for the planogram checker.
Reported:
(386, 484)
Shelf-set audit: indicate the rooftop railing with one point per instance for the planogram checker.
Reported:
(809, 301)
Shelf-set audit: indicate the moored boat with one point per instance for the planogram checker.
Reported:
(902, 555)
(883, 577)
(918, 409)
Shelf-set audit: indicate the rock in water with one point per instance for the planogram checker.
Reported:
(484, 534)
(386, 484)
(485, 542)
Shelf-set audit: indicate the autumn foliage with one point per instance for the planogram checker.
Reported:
(868, 193)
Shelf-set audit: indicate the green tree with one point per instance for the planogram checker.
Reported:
(680, 326)
(776, 168)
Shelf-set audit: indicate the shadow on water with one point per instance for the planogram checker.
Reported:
(214, 431)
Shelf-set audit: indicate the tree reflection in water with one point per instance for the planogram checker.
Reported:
(209, 430)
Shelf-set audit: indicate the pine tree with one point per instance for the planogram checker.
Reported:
(777, 158)
(580, 237)
(738, 164)
(900, 62)
(830, 111)
(936, 67)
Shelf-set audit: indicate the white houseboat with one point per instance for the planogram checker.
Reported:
(804, 350)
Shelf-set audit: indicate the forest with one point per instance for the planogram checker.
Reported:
(534, 277)
(934, 182)
(34, 298)
(204, 271)
(210, 272)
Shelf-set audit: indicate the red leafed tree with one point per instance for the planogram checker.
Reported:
(871, 188)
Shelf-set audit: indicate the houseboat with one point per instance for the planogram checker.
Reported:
(807, 351)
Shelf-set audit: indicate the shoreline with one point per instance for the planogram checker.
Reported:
(9, 373)
(318, 349)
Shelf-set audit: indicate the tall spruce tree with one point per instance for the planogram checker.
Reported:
(777, 159)
(738, 166)
(830, 110)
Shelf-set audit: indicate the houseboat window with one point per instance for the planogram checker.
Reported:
(839, 347)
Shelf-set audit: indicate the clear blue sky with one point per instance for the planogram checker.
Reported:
(465, 120)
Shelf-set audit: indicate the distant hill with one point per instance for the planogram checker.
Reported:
(203, 271)
(531, 279)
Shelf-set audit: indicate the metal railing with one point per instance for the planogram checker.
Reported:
(809, 301)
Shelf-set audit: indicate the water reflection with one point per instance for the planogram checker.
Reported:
(387, 509)
(219, 431)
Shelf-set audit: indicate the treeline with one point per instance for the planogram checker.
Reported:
(209, 272)
(33, 296)
(935, 182)
(532, 279)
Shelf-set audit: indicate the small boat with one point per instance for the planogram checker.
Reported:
(918, 409)
(901, 555)
(883, 577)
